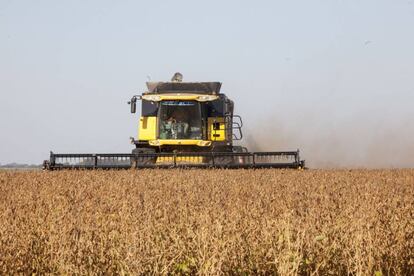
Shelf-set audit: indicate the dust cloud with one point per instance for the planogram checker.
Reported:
(352, 143)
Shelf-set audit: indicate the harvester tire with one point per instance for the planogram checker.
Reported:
(240, 159)
(142, 160)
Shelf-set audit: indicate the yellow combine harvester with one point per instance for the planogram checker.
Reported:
(182, 124)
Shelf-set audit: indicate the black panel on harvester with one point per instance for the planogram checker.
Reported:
(182, 125)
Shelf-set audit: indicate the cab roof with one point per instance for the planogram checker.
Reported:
(184, 87)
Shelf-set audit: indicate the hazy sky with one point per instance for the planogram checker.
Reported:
(333, 78)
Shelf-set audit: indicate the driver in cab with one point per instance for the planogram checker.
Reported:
(179, 124)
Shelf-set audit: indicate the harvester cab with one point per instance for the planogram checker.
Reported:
(183, 124)
(186, 117)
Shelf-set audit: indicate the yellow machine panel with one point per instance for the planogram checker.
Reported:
(180, 142)
(180, 159)
(147, 128)
(216, 129)
(180, 97)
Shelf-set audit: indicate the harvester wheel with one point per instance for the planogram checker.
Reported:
(223, 160)
(142, 160)
(240, 159)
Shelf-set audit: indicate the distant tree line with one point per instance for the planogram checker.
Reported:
(19, 166)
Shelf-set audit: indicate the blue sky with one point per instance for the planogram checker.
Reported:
(333, 78)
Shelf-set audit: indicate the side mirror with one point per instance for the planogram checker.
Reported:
(133, 104)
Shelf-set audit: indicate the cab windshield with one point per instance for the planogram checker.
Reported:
(180, 120)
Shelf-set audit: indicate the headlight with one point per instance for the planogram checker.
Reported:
(154, 143)
(152, 98)
(207, 98)
(204, 143)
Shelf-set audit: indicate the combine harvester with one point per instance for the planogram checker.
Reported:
(182, 124)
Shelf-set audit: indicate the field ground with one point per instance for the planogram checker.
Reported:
(358, 222)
